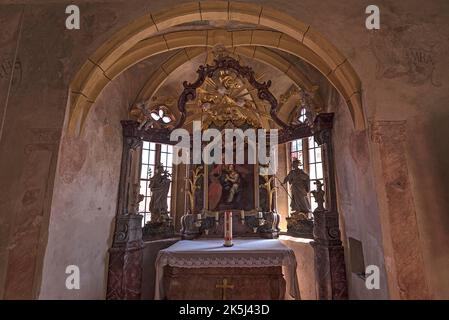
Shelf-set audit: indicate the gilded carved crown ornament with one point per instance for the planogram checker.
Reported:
(225, 101)
(231, 86)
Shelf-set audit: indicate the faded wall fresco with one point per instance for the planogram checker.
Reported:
(357, 202)
(84, 202)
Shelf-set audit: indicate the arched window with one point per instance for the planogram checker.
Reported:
(153, 153)
(308, 152)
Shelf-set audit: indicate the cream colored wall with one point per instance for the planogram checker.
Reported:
(357, 202)
(150, 251)
(84, 203)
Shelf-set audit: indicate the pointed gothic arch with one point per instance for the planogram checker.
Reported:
(291, 35)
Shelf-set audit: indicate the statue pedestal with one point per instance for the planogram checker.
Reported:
(158, 230)
(330, 270)
(301, 227)
(125, 259)
(189, 230)
(270, 230)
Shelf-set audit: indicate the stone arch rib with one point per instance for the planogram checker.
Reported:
(290, 35)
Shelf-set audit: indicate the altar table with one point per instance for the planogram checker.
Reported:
(247, 258)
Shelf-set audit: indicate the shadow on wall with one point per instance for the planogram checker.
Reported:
(305, 258)
(150, 251)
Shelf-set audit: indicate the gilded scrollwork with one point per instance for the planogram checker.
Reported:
(231, 73)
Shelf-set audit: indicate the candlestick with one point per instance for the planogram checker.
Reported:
(198, 220)
(260, 218)
(242, 217)
(228, 229)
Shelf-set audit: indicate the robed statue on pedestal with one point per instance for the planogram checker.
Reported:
(300, 186)
(159, 186)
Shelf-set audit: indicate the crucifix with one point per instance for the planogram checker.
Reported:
(224, 286)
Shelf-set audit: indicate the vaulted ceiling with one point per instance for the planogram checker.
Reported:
(288, 73)
(175, 44)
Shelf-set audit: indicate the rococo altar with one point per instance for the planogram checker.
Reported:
(231, 203)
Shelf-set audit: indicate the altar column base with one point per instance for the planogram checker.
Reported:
(125, 260)
(330, 269)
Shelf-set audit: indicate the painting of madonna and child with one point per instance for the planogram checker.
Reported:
(230, 187)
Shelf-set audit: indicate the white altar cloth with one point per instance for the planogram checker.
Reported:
(211, 253)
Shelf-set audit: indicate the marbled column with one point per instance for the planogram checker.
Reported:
(330, 269)
(125, 255)
(125, 259)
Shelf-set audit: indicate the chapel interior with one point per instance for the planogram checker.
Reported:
(356, 207)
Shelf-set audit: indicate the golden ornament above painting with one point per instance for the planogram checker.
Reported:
(227, 101)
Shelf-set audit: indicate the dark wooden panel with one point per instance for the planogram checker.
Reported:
(260, 283)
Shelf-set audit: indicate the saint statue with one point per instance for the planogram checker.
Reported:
(159, 186)
(232, 178)
(300, 187)
(318, 194)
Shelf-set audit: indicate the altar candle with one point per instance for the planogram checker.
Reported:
(228, 229)
(242, 217)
